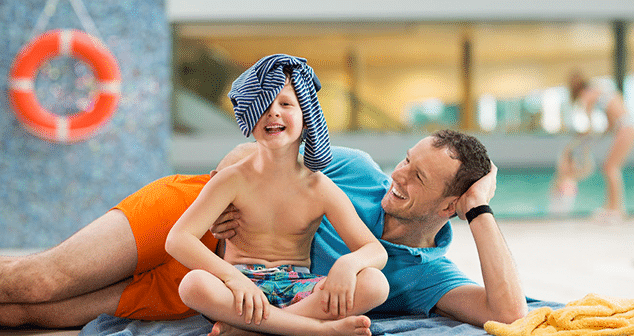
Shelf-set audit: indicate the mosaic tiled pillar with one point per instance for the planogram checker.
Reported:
(49, 190)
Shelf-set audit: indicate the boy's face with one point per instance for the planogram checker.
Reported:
(283, 120)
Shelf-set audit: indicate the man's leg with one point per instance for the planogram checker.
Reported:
(99, 255)
(73, 312)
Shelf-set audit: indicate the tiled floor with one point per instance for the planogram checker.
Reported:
(560, 260)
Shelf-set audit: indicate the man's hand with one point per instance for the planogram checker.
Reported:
(480, 193)
(223, 227)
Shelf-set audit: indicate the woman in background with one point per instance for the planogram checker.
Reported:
(621, 124)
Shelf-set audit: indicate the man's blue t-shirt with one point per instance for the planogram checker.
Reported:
(418, 277)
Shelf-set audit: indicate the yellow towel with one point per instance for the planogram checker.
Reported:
(593, 315)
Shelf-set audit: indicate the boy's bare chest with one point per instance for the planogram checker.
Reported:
(282, 208)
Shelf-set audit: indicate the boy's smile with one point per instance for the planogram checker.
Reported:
(283, 116)
(274, 128)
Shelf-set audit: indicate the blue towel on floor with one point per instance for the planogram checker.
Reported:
(115, 326)
(381, 325)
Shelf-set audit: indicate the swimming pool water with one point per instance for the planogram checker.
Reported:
(525, 193)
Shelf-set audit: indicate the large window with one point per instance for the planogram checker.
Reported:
(402, 76)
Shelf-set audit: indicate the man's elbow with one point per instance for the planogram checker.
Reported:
(512, 313)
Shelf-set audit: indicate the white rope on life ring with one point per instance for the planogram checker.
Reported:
(71, 43)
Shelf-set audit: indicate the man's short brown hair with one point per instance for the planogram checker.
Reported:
(473, 157)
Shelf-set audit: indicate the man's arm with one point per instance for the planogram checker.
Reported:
(502, 298)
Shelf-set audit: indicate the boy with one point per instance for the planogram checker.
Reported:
(282, 203)
(575, 163)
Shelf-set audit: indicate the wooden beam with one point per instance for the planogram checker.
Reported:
(620, 53)
(468, 117)
(353, 71)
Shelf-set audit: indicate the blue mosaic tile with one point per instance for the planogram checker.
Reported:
(51, 190)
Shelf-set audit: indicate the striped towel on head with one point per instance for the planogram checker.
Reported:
(255, 89)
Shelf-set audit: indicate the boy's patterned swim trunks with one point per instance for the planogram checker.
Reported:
(282, 285)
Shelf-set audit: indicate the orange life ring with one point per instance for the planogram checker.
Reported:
(50, 126)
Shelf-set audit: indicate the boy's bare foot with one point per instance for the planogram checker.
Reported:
(221, 328)
(351, 325)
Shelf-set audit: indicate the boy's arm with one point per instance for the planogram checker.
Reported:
(183, 243)
(366, 250)
(224, 227)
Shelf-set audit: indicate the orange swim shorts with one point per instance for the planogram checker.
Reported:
(152, 211)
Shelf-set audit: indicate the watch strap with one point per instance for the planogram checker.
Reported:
(477, 211)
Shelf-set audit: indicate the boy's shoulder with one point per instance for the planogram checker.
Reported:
(233, 173)
(314, 185)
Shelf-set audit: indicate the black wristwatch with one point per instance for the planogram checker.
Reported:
(477, 211)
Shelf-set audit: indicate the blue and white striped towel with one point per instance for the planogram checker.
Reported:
(255, 89)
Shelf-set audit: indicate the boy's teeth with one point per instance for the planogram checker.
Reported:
(275, 128)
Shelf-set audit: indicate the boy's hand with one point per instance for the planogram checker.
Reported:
(250, 302)
(338, 290)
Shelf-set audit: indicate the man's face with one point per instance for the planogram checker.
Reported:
(418, 182)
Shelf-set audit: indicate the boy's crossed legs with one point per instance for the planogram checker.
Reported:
(207, 294)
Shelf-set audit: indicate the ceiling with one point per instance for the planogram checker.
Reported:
(382, 44)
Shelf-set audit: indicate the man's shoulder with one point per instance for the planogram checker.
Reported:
(356, 168)
(342, 152)
(345, 156)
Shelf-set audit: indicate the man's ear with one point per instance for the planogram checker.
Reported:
(449, 207)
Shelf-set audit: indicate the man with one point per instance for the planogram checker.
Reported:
(105, 267)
